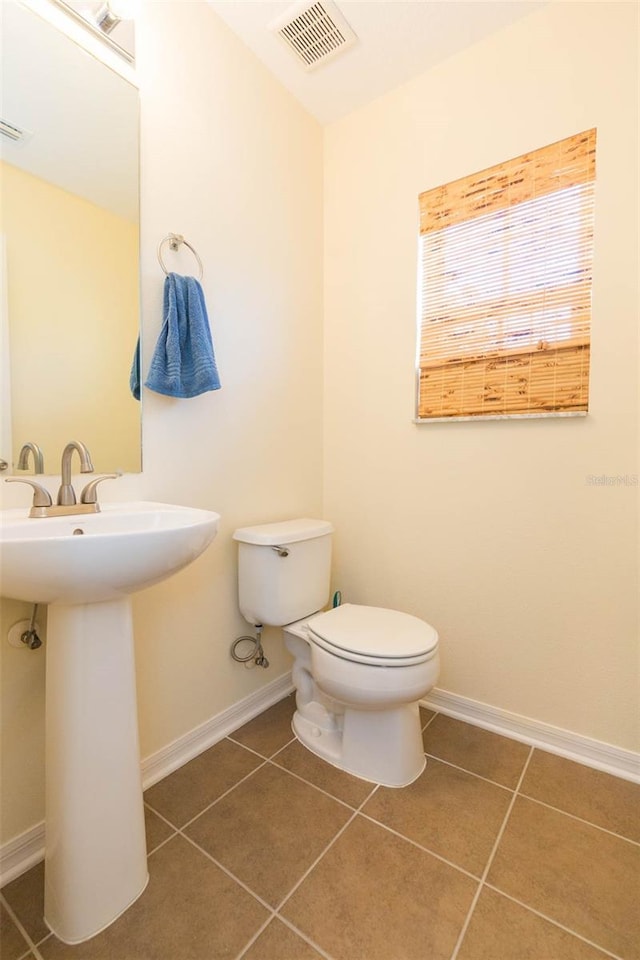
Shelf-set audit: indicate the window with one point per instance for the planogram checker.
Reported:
(505, 287)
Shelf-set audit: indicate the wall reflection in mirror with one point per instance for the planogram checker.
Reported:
(70, 253)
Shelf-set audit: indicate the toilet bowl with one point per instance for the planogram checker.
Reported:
(359, 671)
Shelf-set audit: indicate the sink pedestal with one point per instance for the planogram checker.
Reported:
(85, 566)
(95, 862)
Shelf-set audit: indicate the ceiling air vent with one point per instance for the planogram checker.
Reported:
(315, 32)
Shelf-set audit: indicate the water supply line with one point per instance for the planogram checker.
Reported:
(256, 653)
(30, 637)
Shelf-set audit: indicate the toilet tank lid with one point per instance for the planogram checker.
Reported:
(284, 531)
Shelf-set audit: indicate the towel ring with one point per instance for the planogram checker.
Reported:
(175, 239)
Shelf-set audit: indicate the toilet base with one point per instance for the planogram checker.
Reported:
(381, 746)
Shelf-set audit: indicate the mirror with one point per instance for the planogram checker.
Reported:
(69, 262)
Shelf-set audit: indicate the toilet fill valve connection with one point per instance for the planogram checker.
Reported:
(247, 649)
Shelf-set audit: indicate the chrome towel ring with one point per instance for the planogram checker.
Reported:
(174, 240)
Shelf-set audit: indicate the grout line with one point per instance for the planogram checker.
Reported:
(588, 823)
(322, 854)
(465, 925)
(36, 952)
(257, 934)
(225, 870)
(315, 862)
(273, 912)
(414, 843)
(430, 720)
(257, 752)
(48, 936)
(173, 828)
(294, 739)
(237, 743)
(213, 802)
(550, 806)
(30, 943)
(163, 843)
(303, 936)
(555, 923)
(163, 818)
(494, 783)
(291, 927)
(326, 793)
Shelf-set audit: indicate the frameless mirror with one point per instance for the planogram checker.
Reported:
(69, 263)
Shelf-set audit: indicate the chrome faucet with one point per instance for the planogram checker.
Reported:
(38, 459)
(66, 493)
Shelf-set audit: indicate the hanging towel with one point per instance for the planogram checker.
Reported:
(134, 376)
(183, 362)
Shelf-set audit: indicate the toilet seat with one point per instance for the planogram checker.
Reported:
(373, 635)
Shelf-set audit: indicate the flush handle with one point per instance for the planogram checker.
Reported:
(281, 551)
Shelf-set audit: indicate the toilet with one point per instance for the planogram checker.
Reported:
(358, 671)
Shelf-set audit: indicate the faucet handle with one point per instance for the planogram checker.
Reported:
(41, 497)
(89, 494)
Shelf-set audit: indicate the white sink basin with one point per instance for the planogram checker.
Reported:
(103, 556)
(85, 567)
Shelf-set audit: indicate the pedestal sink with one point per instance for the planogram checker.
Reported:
(85, 567)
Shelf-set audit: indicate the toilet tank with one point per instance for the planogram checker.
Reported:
(278, 586)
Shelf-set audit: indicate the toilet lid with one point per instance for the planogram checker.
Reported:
(373, 635)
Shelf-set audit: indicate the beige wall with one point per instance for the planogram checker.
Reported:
(72, 281)
(230, 160)
(490, 530)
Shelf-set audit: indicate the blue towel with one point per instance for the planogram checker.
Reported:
(134, 376)
(183, 363)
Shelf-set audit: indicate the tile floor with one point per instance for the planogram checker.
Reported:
(260, 851)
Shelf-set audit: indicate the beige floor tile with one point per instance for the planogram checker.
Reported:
(157, 831)
(185, 793)
(480, 751)
(271, 730)
(12, 944)
(576, 874)
(299, 760)
(278, 942)
(374, 896)
(449, 811)
(269, 830)
(25, 896)
(503, 930)
(595, 796)
(190, 910)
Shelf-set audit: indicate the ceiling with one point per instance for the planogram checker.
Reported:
(397, 40)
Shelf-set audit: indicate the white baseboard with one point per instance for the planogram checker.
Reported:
(593, 753)
(185, 748)
(23, 852)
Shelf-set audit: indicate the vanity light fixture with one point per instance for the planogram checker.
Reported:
(106, 19)
(112, 12)
(78, 21)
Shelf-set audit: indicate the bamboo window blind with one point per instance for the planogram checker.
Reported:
(505, 287)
